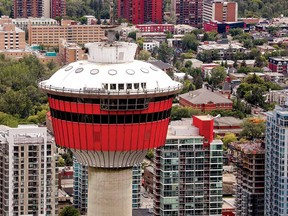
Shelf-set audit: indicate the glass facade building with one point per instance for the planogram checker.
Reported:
(188, 173)
(276, 163)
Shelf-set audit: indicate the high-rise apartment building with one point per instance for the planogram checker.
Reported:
(28, 184)
(249, 158)
(80, 191)
(220, 10)
(28, 8)
(57, 8)
(39, 8)
(188, 170)
(153, 11)
(187, 12)
(140, 11)
(276, 162)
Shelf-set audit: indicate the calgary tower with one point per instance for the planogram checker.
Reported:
(109, 110)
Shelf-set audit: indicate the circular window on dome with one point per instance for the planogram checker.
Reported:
(68, 68)
(154, 68)
(79, 70)
(94, 71)
(130, 71)
(112, 72)
(144, 70)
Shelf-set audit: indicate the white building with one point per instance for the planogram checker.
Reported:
(23, 23)
(225, 51)
(27, 172)
(149, 46)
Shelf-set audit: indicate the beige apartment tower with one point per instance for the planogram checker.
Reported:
(27, 172)
(50, 35)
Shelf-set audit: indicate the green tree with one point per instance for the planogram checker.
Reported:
(188, 86)
(190, 41)
(228, 138)
(236, 32)
(150, 154)
(68, 158)
(251, 130)
(178, 112)
(165, 53)
(132, 35)
(69, 211)
(61, 162)
(197, 75)
(144, 55)
(218, 76)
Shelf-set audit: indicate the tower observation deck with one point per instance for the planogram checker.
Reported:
(109, 110)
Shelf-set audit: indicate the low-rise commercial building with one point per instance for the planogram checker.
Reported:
(278, 64)
(205, 100)
(225, 51)
(70, 52)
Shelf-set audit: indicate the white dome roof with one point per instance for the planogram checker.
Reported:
(103, 76)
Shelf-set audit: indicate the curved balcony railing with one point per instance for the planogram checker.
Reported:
(103, 91)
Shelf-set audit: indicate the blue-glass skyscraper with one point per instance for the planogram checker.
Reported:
(276, 163)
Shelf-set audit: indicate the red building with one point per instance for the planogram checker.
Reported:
(58, 8)
(205, 100)
(133, 11)
(188, 12)
(222, 27)
(278, 64)
(220, 11)
(28, 8)
(155, 27)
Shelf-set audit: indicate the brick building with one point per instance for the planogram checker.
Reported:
(70, 52)
(11, 37)
(58, 8)
(148, 179)
(155, 27)
(133, 11)
(205, 100)
(188, 12)
(28, 8)
(220, 11)
(278, 64)
(73, 33)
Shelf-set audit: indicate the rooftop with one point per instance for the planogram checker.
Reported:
(227, 121)
(204, 96)
(249, 147)
(220, 46)
(110, 69)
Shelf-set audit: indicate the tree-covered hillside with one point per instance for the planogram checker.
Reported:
(21, 101)
(262, 8)
(6, 7)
